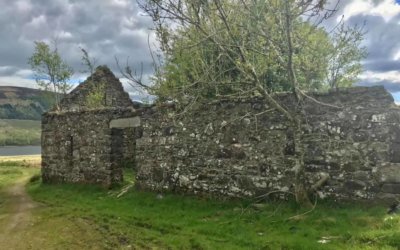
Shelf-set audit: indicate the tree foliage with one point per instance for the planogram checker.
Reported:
(89, 62)
(203, 50)
(51, 71)
(344, 60)
(96, 97)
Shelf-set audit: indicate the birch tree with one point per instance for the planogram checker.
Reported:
(51, 71)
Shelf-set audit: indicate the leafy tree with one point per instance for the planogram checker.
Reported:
(215, 75)
(89, 62)
(344, 61)
(96, 96)
(195, 63)
(51, 71)
(225, 48)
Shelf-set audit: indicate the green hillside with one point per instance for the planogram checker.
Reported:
(23, 103)
(19, 132)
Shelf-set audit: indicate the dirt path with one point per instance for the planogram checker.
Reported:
(24, 224)
(17, 217)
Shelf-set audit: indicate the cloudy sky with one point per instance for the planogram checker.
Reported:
(108, 28)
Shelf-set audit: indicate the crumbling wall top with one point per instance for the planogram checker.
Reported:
(102, 83)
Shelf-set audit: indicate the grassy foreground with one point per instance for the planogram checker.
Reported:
(97, 219)
(142, 220)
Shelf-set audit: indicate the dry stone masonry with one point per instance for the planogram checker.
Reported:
(240, 148)
(102, 80)
(82, 145)
(229, 148)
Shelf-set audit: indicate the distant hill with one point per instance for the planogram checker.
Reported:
(19, 132)
(23, 103)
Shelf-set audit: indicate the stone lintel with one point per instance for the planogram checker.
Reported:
(131, 122)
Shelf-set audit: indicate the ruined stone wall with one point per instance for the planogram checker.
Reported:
(242, 149)
(84, 146)
(111, 89)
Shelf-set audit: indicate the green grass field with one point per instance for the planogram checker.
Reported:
(142, 220)
(88, 217)
(8, 174)
(19, 132)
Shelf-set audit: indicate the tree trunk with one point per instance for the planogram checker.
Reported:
(301, 191)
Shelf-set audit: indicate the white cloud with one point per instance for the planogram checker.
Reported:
(120, 3)
(391, 76)
(37, 22)
(24, 73)
(355, 8)
(386, 9)
(397, 56)
(17, 81)
(23, 6)
(64, 35)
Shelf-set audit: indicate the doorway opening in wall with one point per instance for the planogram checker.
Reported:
(123, 153)
(129, 176)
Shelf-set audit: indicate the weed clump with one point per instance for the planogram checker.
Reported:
(35, 178)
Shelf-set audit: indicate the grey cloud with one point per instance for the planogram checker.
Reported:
(8, 70)
(105, 28)
(381, 41)
(382, 65)
(381, 37)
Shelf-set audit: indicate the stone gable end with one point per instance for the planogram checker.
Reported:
(102, 80)
(82, 144)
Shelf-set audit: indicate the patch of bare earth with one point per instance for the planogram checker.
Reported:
(16, 217)
(23, 226)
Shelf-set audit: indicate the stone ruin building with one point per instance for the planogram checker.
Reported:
(81, 144)
(229, 148)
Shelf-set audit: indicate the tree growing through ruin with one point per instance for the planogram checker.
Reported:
(236, 46)
(51, 71)
(344, 61)
(96, 98)
(88, 61)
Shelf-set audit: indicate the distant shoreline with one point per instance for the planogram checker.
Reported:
(20, 150)
(25, 160)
